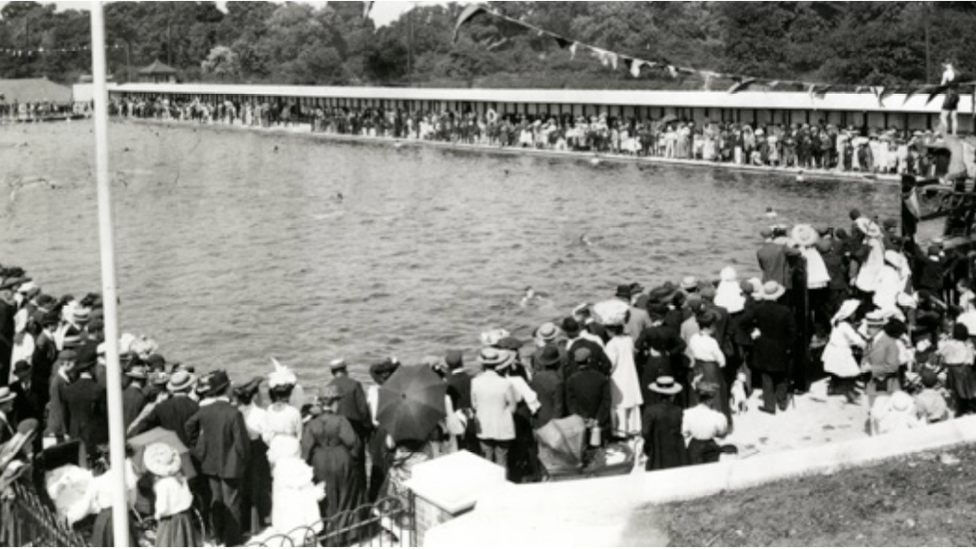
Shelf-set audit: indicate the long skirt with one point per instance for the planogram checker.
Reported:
(711, 372)
(178, 531)
(703, 451)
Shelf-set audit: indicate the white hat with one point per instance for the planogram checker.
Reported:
(162, 460)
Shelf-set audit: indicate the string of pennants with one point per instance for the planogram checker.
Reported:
(635, 66)
(28, 52)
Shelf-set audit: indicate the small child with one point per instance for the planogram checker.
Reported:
(174, 501)
(930, 403)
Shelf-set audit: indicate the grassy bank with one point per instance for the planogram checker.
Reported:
(924, 499)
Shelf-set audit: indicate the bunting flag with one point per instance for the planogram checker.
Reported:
(740, 82)
(466, 16)
(635, 67)
(367, 7)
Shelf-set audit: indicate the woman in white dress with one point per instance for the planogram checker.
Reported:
(625, 391)
(892, 281)
(838, 358)
(295, 496)
(281, 419)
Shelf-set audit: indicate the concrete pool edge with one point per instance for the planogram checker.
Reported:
(305, 131)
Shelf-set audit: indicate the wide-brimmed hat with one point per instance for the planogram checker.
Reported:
(547, 332)
(549, 358)
(901, 401)
(161, 459)
(28, 288)
(624, 291)
(6, 395)
(805, 235)
(664, 293)
(338, 364)
(14, 282)
(492, 358)
(216, 382)
(773, 290)
(180, 382)
(250, 388)
(689, 284)
(665, 385)
(137, 372)
(21, 366)
(847, 309)
(571, 327)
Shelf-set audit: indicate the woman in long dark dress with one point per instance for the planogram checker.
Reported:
(664, 444)
(330, 446)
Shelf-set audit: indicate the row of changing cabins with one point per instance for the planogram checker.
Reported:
(860, 110)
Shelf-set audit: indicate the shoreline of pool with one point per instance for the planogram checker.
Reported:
(800, 175)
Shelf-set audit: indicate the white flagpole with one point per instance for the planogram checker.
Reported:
(120, 507)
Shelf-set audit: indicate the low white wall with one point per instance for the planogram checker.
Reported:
(599, 511)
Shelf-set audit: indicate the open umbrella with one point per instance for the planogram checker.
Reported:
(411, 403)
(158, 434)
(561, 444)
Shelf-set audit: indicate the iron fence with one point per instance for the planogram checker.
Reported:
(25, 521)
(390, 522)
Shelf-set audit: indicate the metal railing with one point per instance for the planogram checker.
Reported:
(25, 521)
(390, 522)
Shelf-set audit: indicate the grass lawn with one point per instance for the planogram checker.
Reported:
(926, 499)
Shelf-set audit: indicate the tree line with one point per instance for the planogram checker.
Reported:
(852, 43)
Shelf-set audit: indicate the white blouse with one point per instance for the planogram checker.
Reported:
(704, 348)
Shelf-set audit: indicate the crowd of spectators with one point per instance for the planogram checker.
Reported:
(26, 111)
(803, 146)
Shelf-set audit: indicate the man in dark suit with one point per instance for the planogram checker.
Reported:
(548, 387)
(353, 404)
(134, 396)
(219, 440)
(8, 308)
(580, 338)
(459, 390)
(773, 260)
(175, 411)
(85, 409)
(45, 354)
(660, 352)
(588, 392)
(29, 401)
(772, 350)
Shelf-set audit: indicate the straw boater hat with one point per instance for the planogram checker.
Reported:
(6, 395)
(665, 385)
(689, 284)
(161, 459)
(547, 332)
(805, 235)
(180, 382)
(772, 291)
(495, 359)
(875, 318)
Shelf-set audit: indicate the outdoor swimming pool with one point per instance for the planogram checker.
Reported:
(235, 246)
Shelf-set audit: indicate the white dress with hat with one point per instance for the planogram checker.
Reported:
(625, 391)
(838, 358)
(870, 271)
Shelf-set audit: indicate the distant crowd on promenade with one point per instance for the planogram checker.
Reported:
(803, 146)
(27, 111)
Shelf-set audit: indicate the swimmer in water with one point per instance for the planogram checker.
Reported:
(770, 213)
(339, 197)
(585, 240)
(528, 296)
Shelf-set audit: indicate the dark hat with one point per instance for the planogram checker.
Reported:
(156, 362)
(21, 366)
(137, 372)
(13, 282)
(454, 360)
(250, 388)
(87, 356)
(707, 291)
(895, 328)
(381, 371)
(855, 213)
(624, 291)
(746, 287)
(217, 382)
(68, 355)
(663, 293)
(890, 223)
(96, 325)
(46, 301)
(636, 288)
(570, 326)
(510, 343)
(657, 310)
(934, 250)
(549, 359)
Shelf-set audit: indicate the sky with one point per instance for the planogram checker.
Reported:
(383, 12)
